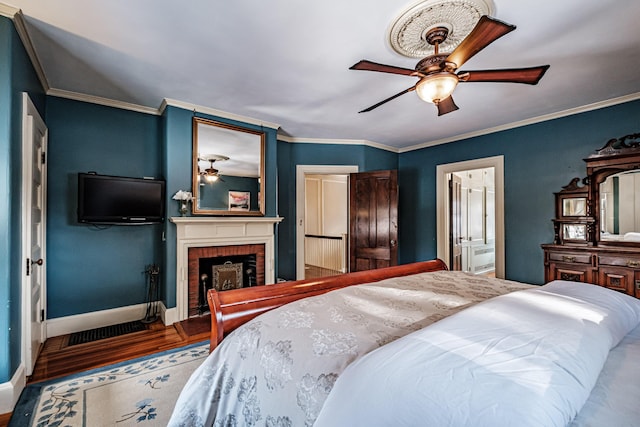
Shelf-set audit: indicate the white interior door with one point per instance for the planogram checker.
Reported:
(33, 233)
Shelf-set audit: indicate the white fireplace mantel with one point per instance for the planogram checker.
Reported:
(219, 231)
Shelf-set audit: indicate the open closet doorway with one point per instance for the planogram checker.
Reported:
(470, 220)
(322, 220)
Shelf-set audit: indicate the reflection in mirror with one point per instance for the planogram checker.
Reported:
(574, 231)
(228, 169)
(574, 206)
(620, 207)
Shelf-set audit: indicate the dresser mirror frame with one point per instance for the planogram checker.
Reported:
(619, 155)
(236, 154)
(573, 225)
(573, 201)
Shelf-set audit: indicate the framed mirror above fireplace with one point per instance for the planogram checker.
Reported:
(228, 169)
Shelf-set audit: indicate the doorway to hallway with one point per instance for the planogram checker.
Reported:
(309, 214)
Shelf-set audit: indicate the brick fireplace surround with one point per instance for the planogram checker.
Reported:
(218, 236)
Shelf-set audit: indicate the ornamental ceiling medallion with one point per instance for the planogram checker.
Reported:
(408, 31)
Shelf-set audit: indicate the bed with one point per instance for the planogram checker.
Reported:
(417, 345)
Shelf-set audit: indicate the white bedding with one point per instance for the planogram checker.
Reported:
(614, 399)
(529, 358)
(277, 369)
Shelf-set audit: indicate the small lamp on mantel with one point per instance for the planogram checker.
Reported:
(183, 198)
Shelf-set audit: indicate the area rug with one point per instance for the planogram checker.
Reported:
(140, 392)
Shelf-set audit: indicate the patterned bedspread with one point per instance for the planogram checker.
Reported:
(278, 369)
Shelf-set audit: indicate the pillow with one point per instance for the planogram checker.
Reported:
(632, 237)
(621, 312)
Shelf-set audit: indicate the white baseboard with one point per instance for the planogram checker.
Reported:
(99, 319)
(10, 391)
(169, 315)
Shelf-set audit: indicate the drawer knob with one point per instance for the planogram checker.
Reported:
(567, 258)
(633, 264)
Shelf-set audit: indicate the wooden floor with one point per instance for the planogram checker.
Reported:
(314, 272)
(58, 359)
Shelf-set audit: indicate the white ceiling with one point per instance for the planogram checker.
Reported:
(287, 62)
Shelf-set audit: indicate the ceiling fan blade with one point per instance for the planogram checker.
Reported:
(446, 106)
(374, 66)
(486, 31)
(412, 88)
(530, 76)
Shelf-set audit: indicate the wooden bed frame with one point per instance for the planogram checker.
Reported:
(230, 309)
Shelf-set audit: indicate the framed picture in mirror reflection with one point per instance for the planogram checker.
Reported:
(239, 201)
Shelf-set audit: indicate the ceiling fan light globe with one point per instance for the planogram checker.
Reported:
(212, 178)
(436, 87)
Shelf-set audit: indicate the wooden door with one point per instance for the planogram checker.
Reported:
(373, 220)
(455, 221)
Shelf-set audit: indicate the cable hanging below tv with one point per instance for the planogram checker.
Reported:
(119, 200)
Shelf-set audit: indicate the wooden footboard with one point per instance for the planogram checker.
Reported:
(230, 309)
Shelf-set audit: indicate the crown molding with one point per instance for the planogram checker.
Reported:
(212, 111)
(534, 120)
(297, 140)
(8, 11)
(60, 93)
(17, 17)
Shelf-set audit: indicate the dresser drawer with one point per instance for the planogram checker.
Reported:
(569, 257)
(618, 279)
(619, 261)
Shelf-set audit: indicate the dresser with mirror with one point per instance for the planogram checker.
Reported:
(597, 223)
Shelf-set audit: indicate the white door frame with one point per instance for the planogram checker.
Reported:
(31, 120)
(442, 205)
(301, 171)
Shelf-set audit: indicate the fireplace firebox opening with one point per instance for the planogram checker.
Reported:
(223, 268)
(224, 273)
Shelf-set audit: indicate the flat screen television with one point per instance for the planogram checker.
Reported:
(105, 199)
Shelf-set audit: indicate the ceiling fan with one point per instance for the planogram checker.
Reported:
(437, 72)
(211, 174)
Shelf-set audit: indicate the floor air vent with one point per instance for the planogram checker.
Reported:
(106, 332)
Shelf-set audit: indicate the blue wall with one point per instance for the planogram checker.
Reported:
(538, 160)
(93, 268)
(292, 154)
(16, 76)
